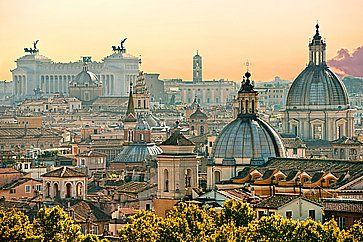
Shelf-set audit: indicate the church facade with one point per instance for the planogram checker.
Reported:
(317, 104)
(34, 70)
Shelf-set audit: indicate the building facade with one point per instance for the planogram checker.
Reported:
(34, 70)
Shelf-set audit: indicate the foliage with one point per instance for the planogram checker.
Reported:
(50, 225)
(240, 213)
(55, 225)
(235, 222)
(14, 226)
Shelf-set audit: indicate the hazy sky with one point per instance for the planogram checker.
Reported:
(272, 34)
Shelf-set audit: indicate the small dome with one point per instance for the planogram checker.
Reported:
(248, 138)
(317, 85)
(138, 152)
(85, 77)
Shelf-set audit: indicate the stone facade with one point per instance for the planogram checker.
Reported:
(33, 71)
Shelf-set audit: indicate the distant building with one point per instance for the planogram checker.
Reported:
(34, 70)
(64, 182)
(86, 86)
(290, 207)
(197, 68)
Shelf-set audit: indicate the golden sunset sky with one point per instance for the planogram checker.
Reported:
(272, 34)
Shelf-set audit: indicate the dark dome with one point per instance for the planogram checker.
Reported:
(248, 138)
(317, 87)
(138, 152)
(85, 77)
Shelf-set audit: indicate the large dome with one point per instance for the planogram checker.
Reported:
(317, 87)
(248, 138)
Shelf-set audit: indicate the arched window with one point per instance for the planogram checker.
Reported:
(47, 189)
(79, 188)
(56, 190)
(68, 190)
(166, 180)
(246, 106)
(253, 106)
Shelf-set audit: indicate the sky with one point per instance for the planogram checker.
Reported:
(271, 34)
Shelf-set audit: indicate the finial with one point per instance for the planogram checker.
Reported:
(197, 52)
(140, 60)
(247, 74)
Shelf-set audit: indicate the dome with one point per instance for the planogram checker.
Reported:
(85, 77)
(317, 85)
(138, 152)
(248, 138)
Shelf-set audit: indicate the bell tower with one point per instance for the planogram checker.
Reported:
(246, 103)
(197, 68)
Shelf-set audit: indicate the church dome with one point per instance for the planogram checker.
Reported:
(138, 153)
(85, 77)
(248, 138)
(317, 87)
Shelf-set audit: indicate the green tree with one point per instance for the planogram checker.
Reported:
(14, 226)
(354, 233)
(54, 225)
(238, 212)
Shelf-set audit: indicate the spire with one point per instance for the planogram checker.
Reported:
(317, 49)
(130, 113)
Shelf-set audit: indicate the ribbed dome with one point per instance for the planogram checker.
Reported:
(317, 85)
(138, 152)
(85, 77)
(248, 137)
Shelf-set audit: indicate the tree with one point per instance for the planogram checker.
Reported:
(238, 212)
(14, 226)
(54, 225)
(354, 234)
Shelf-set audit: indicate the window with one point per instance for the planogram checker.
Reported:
(27, 188)
(26, 166)
(261, 214)
(294, 151)
(288, 214)
(312, 214)
(341, 222)
(39, 187)
(148, 206)
(12, 191)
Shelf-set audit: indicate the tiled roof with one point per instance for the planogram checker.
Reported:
(346, 170)
(313, 144)
(343, 205)
(64, 171)
(86, 209)
(347, 141)
(133, 187)
(275, 201)
(15, 183)
(21, 132)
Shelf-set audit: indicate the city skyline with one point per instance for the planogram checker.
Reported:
(226, 35)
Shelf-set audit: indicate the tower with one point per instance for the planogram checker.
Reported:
(247, 98)
(130, 118)
(177, 172)
(197, 68)
(141, 95)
